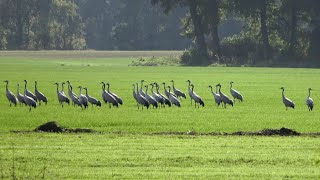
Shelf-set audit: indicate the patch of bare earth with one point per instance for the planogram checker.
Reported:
(55, 127)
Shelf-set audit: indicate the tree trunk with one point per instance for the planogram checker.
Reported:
(199, 33)
(264, 30)
(293, 29)
(314, 50)
(19, 24)
(214, 13)
(44, 23)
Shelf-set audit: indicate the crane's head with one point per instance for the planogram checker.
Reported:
(188, 81)
(63, 83)
(218, 85)
(192, 85)
(25, 81)
(231, 82)
(7, 81)
(85, 88)
(56, 83)
(151, 84)
(68, 82)
(142, 81)
(209, 86)
(35, 82)
(282, 88)
(171, 81)
(107, 84)
(169, 87)
(164, 83)
(310, 89)
(80, 87)
(102, 83)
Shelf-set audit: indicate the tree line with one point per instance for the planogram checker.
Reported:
(257, 32)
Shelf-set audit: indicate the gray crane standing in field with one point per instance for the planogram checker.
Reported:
(29, 100)
(178, 92)
(168, 94)
(150, 99)
(61, 96)
(189, 90)
(91, 99)
(156, 96)
(119, 100)
(235, 94)
(28, 93)
(286, 101)
(216, 96)
(74, 98)
(166, 100)
(309, 101)
(108, 98)
(141, 92)
(173, 98)
(11, 97)
(83, 99)
(135, 94)
(20, 96)
(225, 99)
(196, 98)
(39, 95)
(141, 99)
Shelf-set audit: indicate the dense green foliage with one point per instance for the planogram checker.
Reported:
(268, 32)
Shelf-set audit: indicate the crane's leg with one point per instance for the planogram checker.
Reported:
(30, 109)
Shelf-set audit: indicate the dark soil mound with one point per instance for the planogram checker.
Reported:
(269, 132)
(51, 126)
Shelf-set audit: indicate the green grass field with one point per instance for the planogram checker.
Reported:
(130, 154)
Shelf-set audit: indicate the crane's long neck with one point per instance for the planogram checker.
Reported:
(137, 88)
(164, 87)
(146, 89)
(25, 85)
(108, 87)
(211, 89)
(103, 87)
(62, 89)
(283, 93)
(57, 88)
(86, 91)
(309, 92)
(35, 86)
(169, 89)
(7, 85)
(152, 88)
(80, 89)
(192, 88)
(141, 85)
(216, 89)
(157, 88)
(134, 88)
(18, 91)
(172, 84)
(219, 89)
(230, 85)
